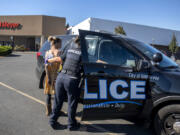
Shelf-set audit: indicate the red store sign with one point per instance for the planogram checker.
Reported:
(6, 25)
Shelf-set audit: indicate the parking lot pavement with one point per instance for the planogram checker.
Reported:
(22, 104)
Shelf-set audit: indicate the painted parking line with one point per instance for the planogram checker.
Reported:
(43, 103)
(22, 93)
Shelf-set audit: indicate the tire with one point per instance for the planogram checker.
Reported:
(167, 120)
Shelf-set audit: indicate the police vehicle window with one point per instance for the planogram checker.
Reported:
(106, 51)
(66, 42)
(149, 51)
(91, 44)
(44, 48)
(115, 54)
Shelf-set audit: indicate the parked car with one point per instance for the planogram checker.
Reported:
(40, 69)
(126, 78)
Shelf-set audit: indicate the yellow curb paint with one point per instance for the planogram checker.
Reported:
(43, 103)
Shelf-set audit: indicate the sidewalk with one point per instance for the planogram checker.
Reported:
(24, 52)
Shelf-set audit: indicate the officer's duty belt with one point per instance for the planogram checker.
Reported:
(68, 72)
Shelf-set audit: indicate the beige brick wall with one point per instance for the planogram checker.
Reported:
(34, 25)
(53, 26)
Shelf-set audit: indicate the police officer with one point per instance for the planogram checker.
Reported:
(67, 82)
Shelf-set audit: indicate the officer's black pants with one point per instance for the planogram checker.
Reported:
(65, 83)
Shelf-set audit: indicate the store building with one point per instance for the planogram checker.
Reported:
(30, 30)
(158, 37)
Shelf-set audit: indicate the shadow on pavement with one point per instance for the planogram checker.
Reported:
(126, 129)
(13, 55)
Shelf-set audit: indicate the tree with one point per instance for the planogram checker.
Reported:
(67, 25)
(119, 30)
(173, 46)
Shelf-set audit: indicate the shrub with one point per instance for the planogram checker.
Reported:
(19, 48)
(5, 50)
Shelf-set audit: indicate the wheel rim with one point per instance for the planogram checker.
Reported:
(172, 124)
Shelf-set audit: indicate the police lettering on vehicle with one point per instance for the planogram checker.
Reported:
(137, 90)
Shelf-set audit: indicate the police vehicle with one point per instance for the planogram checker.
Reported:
(126, 78)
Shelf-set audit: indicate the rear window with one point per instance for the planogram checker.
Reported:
(44, 48)
(65, 41)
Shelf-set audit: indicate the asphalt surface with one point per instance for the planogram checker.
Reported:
(22, 110)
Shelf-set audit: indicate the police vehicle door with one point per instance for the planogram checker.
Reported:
(111, 88)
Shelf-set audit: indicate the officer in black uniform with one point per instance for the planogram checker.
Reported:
(67, 82)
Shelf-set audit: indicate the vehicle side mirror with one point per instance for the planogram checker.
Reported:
(142, 65)
(157, 57)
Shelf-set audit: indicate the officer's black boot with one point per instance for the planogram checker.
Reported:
(74, 127)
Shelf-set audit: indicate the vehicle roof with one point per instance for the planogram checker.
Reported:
(118, 36)
(102, 32)
(65, 35)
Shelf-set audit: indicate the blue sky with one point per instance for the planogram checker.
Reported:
(158, 13)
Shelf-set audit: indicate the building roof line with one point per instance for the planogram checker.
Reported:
(135, 24)
(30, 15)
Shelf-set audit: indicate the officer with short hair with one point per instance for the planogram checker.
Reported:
(67, 82)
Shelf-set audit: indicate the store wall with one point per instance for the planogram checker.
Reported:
(33, 25)
(5, 38)
(53, 26)
(30, 30)
(27, 42)
(28, 25)
(147, 34)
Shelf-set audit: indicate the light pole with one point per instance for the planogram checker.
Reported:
(12, 40)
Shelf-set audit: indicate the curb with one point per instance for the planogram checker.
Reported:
(25, 52)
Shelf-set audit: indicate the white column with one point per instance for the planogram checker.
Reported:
(42, 40)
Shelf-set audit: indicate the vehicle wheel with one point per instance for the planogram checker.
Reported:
(167, 120)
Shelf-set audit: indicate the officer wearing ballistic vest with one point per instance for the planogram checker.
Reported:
(67, 82)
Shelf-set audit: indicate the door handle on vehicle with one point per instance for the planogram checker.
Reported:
(100, 73)
(128, 71)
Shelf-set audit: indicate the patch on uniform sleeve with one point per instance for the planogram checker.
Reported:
(74, 51)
